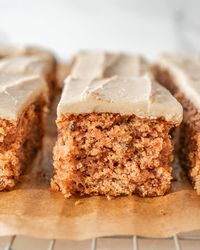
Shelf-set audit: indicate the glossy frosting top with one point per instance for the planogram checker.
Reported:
(16, 92)
(97, 65)
(134, 95)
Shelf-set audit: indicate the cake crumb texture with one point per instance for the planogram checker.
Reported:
(112, 154)
(189, 150)
(19, 143)
(189, 130)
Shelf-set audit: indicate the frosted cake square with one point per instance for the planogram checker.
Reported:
(181, 75)
(113, 137)
(23, 102)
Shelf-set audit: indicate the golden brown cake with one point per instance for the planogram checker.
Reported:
(23, 102)
(113, 137)
(181, 75)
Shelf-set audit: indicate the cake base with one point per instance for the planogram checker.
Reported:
(189, 151)
(112, 154)
(19, 143)
(189, 130)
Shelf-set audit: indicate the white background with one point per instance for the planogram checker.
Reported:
(144, 26)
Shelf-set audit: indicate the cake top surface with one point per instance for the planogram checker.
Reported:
(185, 71)
(97, 65)
(135, 95)
(34, 64)
(17, 92)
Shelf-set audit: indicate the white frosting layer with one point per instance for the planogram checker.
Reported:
(16, 92)
(97, 65)
(135, 95)
(37, 65)
(126, 65)
(185, 71)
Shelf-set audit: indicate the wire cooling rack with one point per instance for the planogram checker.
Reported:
(177, 242)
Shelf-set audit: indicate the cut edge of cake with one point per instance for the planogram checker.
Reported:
(23, 107)
(113, 137)
(181, 75)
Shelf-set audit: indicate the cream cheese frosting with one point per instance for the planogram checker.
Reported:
(36, 65)
(97, 65)
(16, 92)
(185, 70)
(126, 65)
(134, 95)
(10, 51)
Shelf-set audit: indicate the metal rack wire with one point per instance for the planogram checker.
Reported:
(178, 242)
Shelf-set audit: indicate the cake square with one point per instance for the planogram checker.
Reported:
(113, 137)
(181, 75)
(23, 101)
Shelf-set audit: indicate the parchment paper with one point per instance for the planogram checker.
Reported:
(32, 209)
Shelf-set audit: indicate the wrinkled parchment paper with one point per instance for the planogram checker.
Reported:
(33, 209)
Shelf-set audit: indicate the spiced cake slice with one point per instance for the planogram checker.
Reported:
(99, 64)
(23, 102)
(113, 137)
(181, 75)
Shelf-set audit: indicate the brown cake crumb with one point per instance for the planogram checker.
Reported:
(78, 203)
(189, 151)
(19, 142)
(112, 154)
(189, 131)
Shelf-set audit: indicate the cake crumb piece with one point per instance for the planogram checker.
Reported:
(78, 202)
(162, 212)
